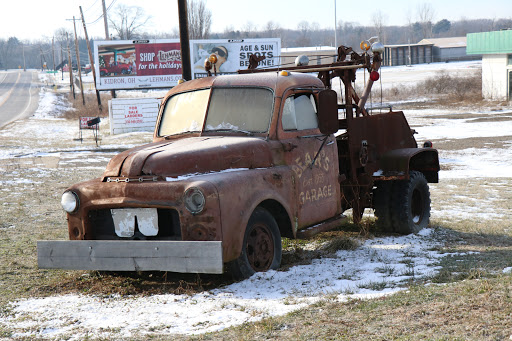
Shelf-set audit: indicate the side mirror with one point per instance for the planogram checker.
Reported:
(328, 112)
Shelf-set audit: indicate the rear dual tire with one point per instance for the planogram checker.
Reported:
(402, 206)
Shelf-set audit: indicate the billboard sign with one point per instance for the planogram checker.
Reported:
(233, 55)
(136, 64)
(156, 63)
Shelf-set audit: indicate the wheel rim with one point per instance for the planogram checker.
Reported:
(260, 247)
(417, 206)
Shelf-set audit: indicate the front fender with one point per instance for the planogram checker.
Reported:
(240, 192)
(397, 163)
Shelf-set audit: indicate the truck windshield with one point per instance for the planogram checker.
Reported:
(240, 109)
(231, 109)
(184, 112)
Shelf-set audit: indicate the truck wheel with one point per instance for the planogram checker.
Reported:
(410, 207)
(382, 205)
(261, 250)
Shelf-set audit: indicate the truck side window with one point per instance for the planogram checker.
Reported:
(299, 113)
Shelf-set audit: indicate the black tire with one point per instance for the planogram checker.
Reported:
(382, 205)
(410, 207)
(261, 249)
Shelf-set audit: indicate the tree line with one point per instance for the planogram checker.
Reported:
(128, 22)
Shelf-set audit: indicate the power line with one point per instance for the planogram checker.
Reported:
(101, 16)
(87, 10)
(95, 21)
(113, 1)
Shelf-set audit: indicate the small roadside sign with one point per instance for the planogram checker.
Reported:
(89, 122)
(84, 122)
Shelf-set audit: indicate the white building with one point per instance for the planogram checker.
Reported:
(496, 48)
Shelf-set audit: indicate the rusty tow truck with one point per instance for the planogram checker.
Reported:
(239, 161)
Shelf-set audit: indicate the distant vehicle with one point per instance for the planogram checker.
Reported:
(87, 68)
(119, 69)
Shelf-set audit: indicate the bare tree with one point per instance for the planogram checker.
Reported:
(425, 17)
(10, 52)
(61, 34)
(199, 20)
(231, 33)
(409, 26)
(379, 20)
(249, 29)
(272, 29)
(127, 20)
(173, 33)
(339, 31)
(305, 30)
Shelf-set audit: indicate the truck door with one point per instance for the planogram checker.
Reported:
(316, 180)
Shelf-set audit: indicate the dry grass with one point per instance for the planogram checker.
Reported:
(475, 305)
(444, 88)
(497, 142)
(459, 87)
(91, 105)
(474, 117)
(301, 252)
(340, 243)
(469, 310)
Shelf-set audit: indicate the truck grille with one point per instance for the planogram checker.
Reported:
(102, 226)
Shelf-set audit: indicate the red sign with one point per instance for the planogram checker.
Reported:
(158, 59)
(132, 115)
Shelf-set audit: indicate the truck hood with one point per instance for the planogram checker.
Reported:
(191, 155)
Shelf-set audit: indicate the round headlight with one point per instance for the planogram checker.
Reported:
(69, 201)
(194, 200)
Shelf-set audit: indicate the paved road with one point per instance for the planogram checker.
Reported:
(18, 98)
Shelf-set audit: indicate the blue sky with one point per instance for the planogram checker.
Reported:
(35, 19)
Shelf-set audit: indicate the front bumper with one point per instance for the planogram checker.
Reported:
(115, 255)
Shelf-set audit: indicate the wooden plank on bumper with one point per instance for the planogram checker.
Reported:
(115, 255)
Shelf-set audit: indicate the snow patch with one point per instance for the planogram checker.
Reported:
(380, 266)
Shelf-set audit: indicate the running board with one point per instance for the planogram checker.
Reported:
(322, 227)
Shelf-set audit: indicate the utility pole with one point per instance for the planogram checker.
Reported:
(53, 53)
(107, 37)
(42, 56)
(24, 64)
(78, 63)
(186, 67)
(70, 68)
(409, 49)
(105, 19)
(91, 60)
(335, 28)
(61, 61)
